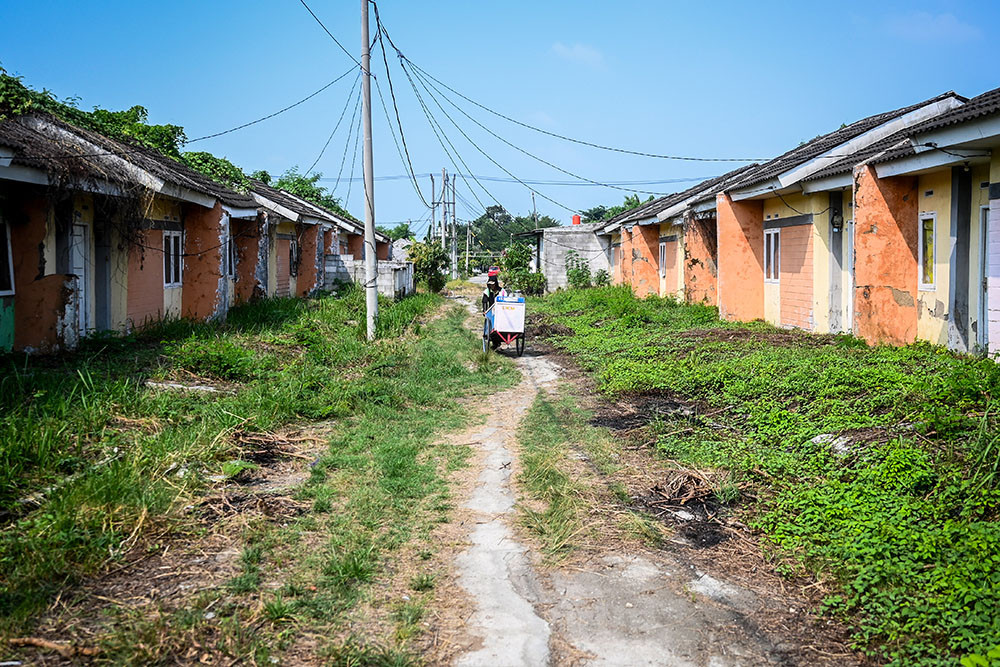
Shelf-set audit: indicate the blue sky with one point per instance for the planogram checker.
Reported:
(701, 79)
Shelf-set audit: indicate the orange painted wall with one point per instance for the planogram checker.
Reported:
(796, 276)
(39, 300)
(203, 250)
(308, 273)
(247, 233)
(624, 258)
(144, 299)
(885, 249)
(741, 258)
(645, 272)
(701, 282)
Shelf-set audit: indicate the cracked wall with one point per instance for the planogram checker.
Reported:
(885, 248)
(741, 258)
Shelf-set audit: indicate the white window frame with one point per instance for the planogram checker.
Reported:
(922, 286)
(772, 261)
(10, 259)
(663, 258)
(176, 262)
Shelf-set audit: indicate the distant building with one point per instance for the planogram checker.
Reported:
(552, 247)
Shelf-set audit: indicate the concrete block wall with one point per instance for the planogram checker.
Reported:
(556, 246)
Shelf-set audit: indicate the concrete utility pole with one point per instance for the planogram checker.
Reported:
(444, 205)
(371, 269)
(454, 233)
(434, 220)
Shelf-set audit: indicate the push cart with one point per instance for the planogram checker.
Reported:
(505, 318)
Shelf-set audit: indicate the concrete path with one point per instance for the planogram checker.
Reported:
(616, 609)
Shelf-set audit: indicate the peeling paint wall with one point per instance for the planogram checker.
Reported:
(933, 307)
(205, 293)
(645, 256)
(741, 258)
(310, 270)
(701, 282)
(885, 244)
(248, 286)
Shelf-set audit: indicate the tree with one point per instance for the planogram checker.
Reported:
(601, 213)
(308, 188)
(262, 176)
(595, 214)
(400, 231)
(429, 260)
(494, 228)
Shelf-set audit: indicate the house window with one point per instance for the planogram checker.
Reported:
(6, 262)
(293, 258)
(173, 258)
(772, 255)
(926, 250)
(663, 259)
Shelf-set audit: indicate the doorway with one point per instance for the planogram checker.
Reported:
(79, 245)
(850, 277)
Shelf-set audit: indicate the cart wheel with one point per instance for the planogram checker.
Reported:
(486, 336)
(519, 345)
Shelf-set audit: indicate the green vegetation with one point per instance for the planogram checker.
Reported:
(94, 461)
(307, 186)
(602, 213)
(429, 263)
(515, 271)
(902, 512)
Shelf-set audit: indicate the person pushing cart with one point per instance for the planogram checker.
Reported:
(503, 315)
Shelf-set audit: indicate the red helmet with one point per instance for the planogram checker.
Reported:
(494, 271)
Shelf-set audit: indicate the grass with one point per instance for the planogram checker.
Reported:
(105, 459)
(903, 517)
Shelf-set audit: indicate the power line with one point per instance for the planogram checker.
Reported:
(571, 139)
(350, 95)
(337, 41)
(532, 155)
(347, 145)
(270, 115)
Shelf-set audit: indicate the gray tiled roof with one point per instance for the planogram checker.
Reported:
(290, 202)
(41, 141)
(898, 145)
(825, 142)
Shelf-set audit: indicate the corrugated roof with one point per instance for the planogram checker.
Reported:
(823, 143)
(42, 141)
(710, 188)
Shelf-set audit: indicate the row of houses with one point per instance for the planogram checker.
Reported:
(887, 228)
(97, 235)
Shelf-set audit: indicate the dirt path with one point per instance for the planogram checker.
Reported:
(617, 606)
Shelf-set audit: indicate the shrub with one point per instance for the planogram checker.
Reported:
(577, 270)
(429, 261)
(602, 278)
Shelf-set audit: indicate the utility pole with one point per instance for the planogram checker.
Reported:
(444, 205)
(534, 211)
(434, 221)
(371, 269)
(454, 233)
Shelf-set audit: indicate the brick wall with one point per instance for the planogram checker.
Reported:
(796, 276)
(205, 285)
(645, 270)
(701, 283)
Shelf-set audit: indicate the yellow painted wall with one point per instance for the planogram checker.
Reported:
(980, 198)
(933, 306)
(772, 303)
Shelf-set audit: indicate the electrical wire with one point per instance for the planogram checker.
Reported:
(532, 155)
(270, 115)
(350, 95)
(327, 31)
(347, 145)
